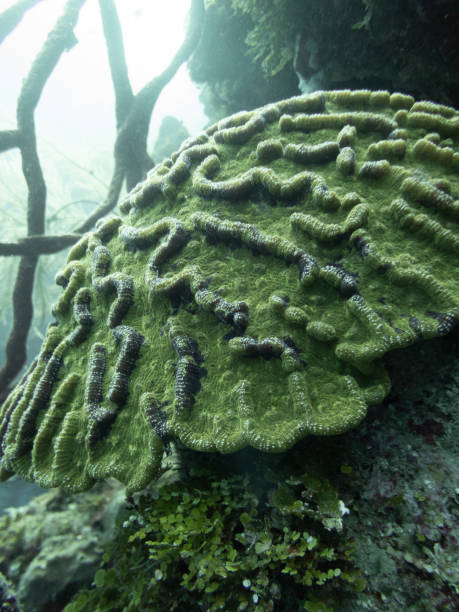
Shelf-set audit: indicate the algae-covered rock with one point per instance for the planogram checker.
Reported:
(248, 292)
(266, 539)
(53, 546)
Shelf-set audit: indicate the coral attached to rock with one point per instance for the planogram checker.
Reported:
(248, 292)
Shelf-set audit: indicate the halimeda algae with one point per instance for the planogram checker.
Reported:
(248, 292)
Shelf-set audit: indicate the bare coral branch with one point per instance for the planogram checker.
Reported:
(16, 353)
(133, 115)
(11, 17)
(38, 245)
(9, 139)
(60, 38)
(131, 144)
(117, 60)
(110, 202)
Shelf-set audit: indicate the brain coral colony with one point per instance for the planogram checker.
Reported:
(247, 293)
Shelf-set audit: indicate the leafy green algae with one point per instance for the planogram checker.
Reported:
(249, 291)
(238, 542)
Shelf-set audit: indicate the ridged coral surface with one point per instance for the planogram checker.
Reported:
(248, 292)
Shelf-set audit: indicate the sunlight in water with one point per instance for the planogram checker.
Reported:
(77, 104)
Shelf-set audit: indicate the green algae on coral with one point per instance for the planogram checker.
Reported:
(248, 292)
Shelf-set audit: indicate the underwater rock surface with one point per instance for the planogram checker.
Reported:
(54, 544)
(248, 292)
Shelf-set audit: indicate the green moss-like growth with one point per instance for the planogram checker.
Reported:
(228, 543)
(249, 291)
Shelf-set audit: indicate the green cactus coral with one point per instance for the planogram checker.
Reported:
(248, 292)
